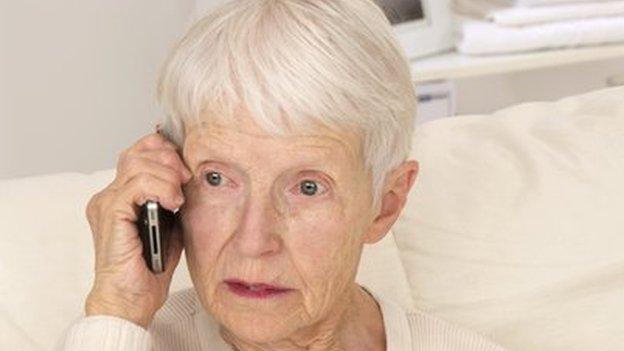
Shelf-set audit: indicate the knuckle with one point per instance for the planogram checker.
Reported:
(101, 204)
(169, 175)
(169, 158)
(147, 186)
(153, 140)
(143, 180)
(95, 206)
(118, 212)
(174, 192)
(123, 160)
(133, 167)
(172, 160)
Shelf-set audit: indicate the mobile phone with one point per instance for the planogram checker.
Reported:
(155, 227)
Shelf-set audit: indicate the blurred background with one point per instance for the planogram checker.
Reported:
(77, 78)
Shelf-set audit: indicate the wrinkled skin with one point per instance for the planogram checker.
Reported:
(257, 224)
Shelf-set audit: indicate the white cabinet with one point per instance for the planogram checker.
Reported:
(483, 84)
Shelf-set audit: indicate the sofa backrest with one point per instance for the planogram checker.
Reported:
(515, 226)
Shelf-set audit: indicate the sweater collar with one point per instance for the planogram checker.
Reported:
(396, 324)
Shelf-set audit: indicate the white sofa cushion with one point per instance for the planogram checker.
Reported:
(515, 226)
(47, 258)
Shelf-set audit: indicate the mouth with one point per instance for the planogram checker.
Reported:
(256, 290)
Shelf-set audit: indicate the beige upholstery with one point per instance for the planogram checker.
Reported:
(515, 227)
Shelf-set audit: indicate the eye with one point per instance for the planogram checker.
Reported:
(309, 187)
(214, 178)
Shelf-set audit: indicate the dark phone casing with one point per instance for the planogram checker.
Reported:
(155, 225)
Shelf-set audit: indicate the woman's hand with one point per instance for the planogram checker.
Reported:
(124, 286)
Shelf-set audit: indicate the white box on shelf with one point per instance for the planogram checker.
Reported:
(436, 99)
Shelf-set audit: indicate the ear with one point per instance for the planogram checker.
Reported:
(394, 196)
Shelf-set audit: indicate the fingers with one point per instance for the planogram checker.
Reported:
(150, 169)
(153, 141)
(155, 148)
(170, 159)
(146, 186)
(149, 161)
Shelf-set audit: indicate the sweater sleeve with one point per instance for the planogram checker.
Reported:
(102, 332)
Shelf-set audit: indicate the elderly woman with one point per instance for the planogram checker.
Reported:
(284, 148)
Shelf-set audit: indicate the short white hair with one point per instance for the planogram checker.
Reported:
(294, 64)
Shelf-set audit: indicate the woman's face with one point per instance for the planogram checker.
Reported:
(290, 211)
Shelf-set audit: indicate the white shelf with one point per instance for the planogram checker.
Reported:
(452, 65)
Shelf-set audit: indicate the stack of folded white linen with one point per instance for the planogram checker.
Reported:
(507, 26)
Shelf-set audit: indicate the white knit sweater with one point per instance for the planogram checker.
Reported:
(183, 324)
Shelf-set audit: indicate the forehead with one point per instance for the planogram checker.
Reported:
(246, 140)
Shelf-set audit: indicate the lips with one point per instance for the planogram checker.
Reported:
(257, 286)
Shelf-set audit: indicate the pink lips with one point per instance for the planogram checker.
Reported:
(257, 290)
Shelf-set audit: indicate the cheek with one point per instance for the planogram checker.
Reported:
(205, 218)
(324, 249)
(203, 239)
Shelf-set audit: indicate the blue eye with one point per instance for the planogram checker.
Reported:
(308, 187)
(213, 178)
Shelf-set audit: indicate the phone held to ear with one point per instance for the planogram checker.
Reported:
(155, 228)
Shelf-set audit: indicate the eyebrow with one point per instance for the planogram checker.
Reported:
(305, 165)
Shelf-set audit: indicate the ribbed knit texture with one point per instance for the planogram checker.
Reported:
(182, 324)
(107, 333)
(430, 333)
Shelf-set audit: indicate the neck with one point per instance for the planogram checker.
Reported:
(356, 323)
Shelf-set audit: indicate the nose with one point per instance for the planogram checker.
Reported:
(256, 234)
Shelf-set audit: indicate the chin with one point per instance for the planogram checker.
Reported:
(261, 321)
(258, 329)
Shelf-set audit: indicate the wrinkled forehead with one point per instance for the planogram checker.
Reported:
(207, 138)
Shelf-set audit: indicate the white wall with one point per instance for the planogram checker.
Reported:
(78, 79)
(202, 6)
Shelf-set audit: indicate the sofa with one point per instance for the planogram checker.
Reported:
(514, 229)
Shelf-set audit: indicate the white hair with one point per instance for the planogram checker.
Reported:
(294, 64)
